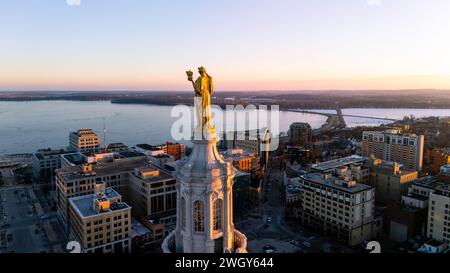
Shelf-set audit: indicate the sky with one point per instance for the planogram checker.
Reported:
(244, 44)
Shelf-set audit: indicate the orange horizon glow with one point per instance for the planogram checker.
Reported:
(106, 83)
(250, 46)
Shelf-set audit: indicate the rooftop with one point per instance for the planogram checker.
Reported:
(152, 174)
(417, 196)
(75, 158)
(149, 147)
(392, 132)
(330, 182)
(138, 229)
(129, 154)
(333, 164)
(117, 145)
(387, 167)
(47, 152)
(104, 168)
(434, 243)
(84, 204)
(429, 182)
(81, 132)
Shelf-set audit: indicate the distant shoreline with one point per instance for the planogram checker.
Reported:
(414, 99)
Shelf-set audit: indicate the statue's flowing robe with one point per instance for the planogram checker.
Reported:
(204, 87)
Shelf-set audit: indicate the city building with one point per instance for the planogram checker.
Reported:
(141, 237)
(439, 214)
(73, 159)
(153, 194)
(46, 161)
(242, 201)
(407, 218)
(433, 246)
(331, 165)
(160, 160)
(242, 161)
(117, 147)
(444, 174)
(251, 141)
(391, 145)
(390, 180)
(300, 134)
(341, 207)
(435, 158)
(84, 141)
(101, 222)
(174, 149)
(149, 150)
(79, 180)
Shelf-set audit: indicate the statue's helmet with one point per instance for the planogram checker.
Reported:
(202, 69)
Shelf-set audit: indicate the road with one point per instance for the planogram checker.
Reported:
(271, 228)
(21, 222)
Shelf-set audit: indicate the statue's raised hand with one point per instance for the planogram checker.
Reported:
(189, 74)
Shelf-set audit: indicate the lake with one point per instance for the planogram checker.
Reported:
(31, 125)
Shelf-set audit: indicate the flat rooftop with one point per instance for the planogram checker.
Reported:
(48, 152)
(429, 182)
(104, 168)
(330, 182)
(84, 204)
(149, 147)
(336, 163)
(434, 243)
(129, 154)
(163, 175)
(417, 196)
(75, 158)
(138, 229)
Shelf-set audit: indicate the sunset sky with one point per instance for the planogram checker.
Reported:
(245, 45)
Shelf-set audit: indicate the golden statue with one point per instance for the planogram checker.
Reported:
(203, 88)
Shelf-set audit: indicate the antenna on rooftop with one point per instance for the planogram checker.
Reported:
(104, 134)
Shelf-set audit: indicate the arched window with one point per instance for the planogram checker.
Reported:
(199, 216)
(218, 214)
(183, 213)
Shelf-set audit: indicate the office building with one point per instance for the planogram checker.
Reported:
(101, 222)
(79, 180)
(174, 149)
(246, 162)
(331, 165)
(439, 214)
(84, 141)
(435, 158)
(300, 134)
(340, 206)
(46, 161)
(117, 147)
(390, 180)
(391, 145)
(153, 194)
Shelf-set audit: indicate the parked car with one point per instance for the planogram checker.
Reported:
(269, 249)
